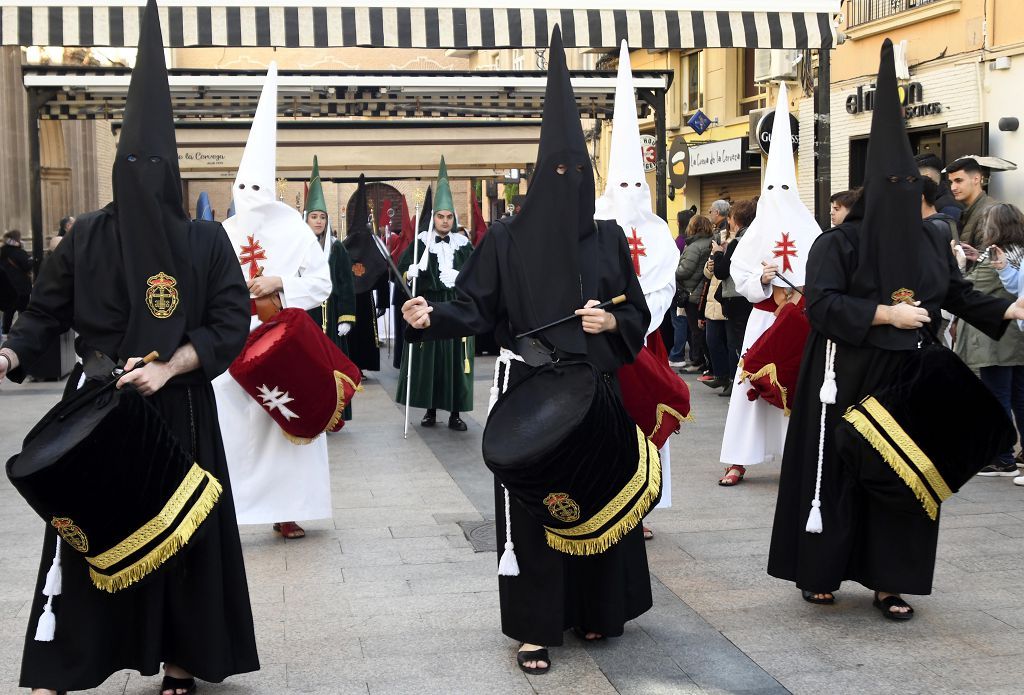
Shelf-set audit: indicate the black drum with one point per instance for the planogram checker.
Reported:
(563, 445)
(104, 469)
(915, 442)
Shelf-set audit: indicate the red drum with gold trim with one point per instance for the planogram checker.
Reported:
(654, 396)
(297, 374)
(772, 363)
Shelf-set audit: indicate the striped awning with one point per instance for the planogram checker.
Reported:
(461, 24)
(99, 93)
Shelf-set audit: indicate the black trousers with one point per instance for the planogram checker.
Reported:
(20, 304)
(698, 343)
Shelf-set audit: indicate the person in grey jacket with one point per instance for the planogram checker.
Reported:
(690, 282)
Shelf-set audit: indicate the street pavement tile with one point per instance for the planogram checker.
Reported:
(1013, 617)
(449, 529)
(978, 673)
(323, 678)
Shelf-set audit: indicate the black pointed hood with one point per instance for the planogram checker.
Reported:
(151, 219)
(891, 231)
(426, 212)
(368, 264)
(558, 211)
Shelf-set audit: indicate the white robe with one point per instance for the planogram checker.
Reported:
(755, 432)
(273, 479)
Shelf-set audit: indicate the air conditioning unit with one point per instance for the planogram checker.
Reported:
(762, 64)
(771, 64)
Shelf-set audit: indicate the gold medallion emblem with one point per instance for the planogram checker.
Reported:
(358, 269)
(903, 296)
(562, 507)
(73, 535)
(162, 295)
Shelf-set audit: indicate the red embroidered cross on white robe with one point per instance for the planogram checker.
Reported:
(784, 248)
(636, 249)
(251, 253)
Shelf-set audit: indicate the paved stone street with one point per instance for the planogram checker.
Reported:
(390, 596)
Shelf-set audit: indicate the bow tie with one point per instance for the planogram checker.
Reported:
(442, 239)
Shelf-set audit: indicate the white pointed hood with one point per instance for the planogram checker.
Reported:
(784, 229)
(269, 236)
(257, 172)
(627, 200)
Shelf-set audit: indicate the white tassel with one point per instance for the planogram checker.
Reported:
(508, 566)
(828, 389)
(814, 518)
(54, 576)
(46, 628)
(828, 397)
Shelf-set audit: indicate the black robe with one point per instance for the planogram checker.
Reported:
(862, 540)
(195, 612)
(555, 591)
(363, 340)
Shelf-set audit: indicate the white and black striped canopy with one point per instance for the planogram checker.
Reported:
(421, 24)
(76, 93)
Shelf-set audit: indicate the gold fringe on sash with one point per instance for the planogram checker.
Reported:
(647, 478)
(909, 448)
(170, 545)
(907, 474)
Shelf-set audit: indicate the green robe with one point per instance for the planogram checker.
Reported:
(340, 305)
(442, 370)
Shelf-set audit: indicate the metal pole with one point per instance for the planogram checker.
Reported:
(656, 100)
(823, 139)
(418, 198)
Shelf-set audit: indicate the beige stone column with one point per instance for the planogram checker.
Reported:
(15, 180)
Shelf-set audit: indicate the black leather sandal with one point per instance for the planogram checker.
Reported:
(886, 605)
(535, 655)
(174, 684)
(810, 597)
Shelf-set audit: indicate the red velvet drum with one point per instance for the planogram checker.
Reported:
(297, 374)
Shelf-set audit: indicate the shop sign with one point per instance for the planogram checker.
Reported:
(649, 147)
(911, 96)
(764, 131)
(717, 157)
(194, 158)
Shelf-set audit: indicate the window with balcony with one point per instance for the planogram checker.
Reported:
(864, 11)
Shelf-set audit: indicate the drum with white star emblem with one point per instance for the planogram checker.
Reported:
(297, 374)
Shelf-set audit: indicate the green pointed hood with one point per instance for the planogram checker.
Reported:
(315, 201)
(443, 191)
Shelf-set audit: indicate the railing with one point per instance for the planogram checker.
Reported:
(864, 11)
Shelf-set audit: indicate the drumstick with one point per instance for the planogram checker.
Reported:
(394, 269)
(614, 300)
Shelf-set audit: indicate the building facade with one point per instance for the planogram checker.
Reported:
(961, 65)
